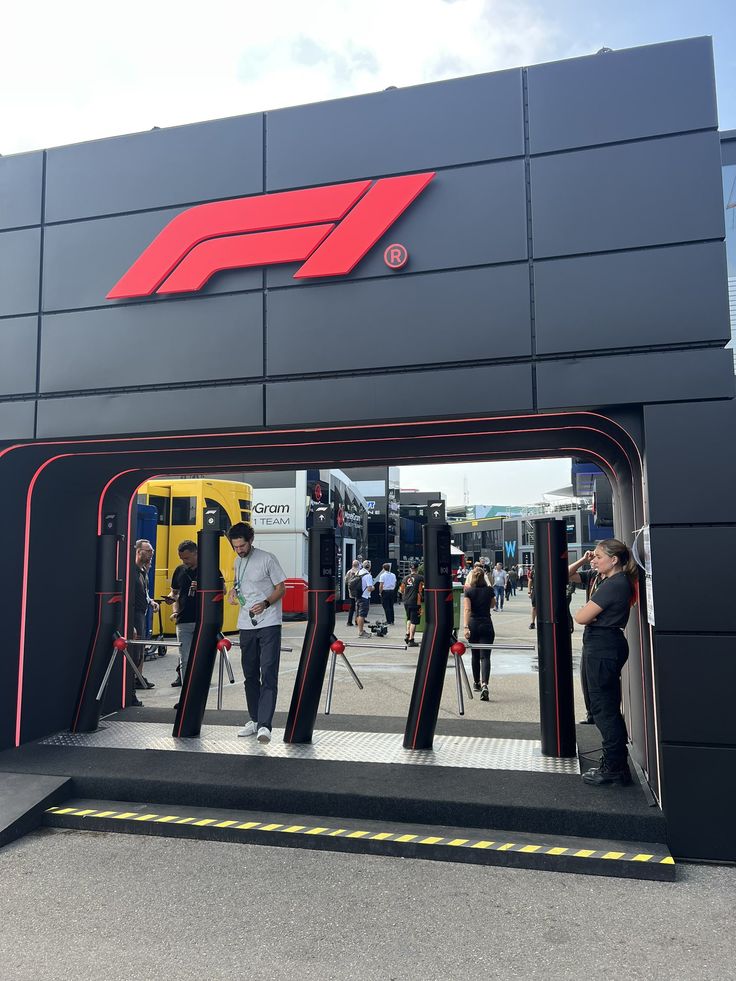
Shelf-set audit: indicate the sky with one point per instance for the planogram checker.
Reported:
(84, 70)
(520, 482)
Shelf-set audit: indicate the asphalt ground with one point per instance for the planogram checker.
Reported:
(388, 675)
(85, 905)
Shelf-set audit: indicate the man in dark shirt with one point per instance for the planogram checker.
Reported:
(411, 589)
(184, 595)
(141, 603)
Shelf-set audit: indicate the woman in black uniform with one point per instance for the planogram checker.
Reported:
(478, 601)
(613, 580)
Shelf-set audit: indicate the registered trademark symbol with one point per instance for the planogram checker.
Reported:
(395, 256)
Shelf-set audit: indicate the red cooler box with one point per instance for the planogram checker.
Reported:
(295, 598)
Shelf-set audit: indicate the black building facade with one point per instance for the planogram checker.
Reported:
(562, 235)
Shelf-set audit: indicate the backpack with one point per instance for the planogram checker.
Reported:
(355, 586)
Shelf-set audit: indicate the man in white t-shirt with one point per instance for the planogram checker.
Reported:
(363, 604)
(260, 584)
(387, 586)
(500, 578)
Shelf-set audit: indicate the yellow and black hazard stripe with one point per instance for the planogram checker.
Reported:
(654, 857)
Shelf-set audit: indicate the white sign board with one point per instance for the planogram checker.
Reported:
(650, 599)
(274, 510)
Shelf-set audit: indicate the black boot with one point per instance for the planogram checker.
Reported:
(608, 773)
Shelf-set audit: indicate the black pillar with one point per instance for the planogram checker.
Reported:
(438, 624)
(108, 621)
(556, 701)
(320, 628)
(196, 681)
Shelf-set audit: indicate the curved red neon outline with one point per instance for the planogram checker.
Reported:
(325, 429)
(464, 455)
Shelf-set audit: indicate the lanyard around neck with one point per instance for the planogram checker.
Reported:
(240, 574)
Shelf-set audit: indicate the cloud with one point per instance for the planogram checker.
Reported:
(82, 70)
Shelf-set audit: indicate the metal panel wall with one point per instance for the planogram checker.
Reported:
(628, 95)
(18, 346)
(21, 179)
(134, 345)
(19, 272)
(599, 231)
(425, 126)
(183, 164)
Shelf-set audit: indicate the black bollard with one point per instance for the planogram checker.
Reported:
(195, 684)
(556, 701)
(437, 637)
(320, 631)
(108, 622)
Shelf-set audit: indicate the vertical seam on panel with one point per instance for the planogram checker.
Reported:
(39, 320)
(264, 277)
(529, 235)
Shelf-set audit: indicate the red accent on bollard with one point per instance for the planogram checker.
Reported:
(119, 644)
(337, 647)
(223, 644)
(458, 648)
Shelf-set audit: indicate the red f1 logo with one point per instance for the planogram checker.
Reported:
(328, 229)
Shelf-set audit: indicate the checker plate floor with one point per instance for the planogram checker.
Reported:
(471, 752)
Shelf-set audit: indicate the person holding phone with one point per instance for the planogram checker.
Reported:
(259, 586)
(183, 597)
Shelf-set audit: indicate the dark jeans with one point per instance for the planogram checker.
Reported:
(137, 652)
(481, 632)
(606, 651)
(500, 593)
(387, 599)
(351, 611)
(260, 655)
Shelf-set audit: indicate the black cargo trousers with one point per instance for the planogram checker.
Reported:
(606, 651)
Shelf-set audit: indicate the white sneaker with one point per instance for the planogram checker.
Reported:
(264, 735)
(249, 729)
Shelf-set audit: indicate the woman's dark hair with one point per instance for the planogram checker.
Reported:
(241, 530)
(616, 549)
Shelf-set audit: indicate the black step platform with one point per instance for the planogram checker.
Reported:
(24, 798)
(640, 860)
(528, 803)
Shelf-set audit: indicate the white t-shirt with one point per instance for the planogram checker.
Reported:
(367, 581)
(388, 579)
(499, 577)
(256, 574)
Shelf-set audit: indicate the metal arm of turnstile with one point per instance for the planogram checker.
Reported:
(119, 646)
(175, 643)
(338, 648)
(223, 648)
(461, 676)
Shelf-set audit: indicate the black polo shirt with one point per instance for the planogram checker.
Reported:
(182, 580)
